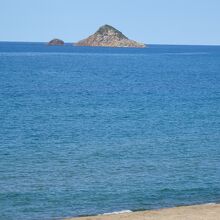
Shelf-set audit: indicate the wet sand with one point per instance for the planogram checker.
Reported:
(197, 212)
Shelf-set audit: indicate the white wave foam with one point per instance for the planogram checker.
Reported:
(119, 212)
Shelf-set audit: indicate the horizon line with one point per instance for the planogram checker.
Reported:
(167, 44)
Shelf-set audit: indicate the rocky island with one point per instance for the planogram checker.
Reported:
(56, 42)
(108, 36)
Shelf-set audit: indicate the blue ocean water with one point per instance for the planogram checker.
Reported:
(93, 130)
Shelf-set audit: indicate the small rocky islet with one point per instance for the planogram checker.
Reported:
(56, 42)
(105, 36)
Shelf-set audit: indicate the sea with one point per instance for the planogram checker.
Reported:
(91, 130)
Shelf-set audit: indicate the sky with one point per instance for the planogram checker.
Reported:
(147, 21)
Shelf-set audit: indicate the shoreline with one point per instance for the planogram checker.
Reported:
(210, 211)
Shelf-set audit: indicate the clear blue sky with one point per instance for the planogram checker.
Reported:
(148, 21)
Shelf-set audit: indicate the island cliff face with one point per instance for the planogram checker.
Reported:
(108, 36)
(56, 42)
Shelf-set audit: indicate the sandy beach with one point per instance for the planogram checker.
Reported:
(197, 212)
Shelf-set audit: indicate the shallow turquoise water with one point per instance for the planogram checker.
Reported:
(94, 130)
